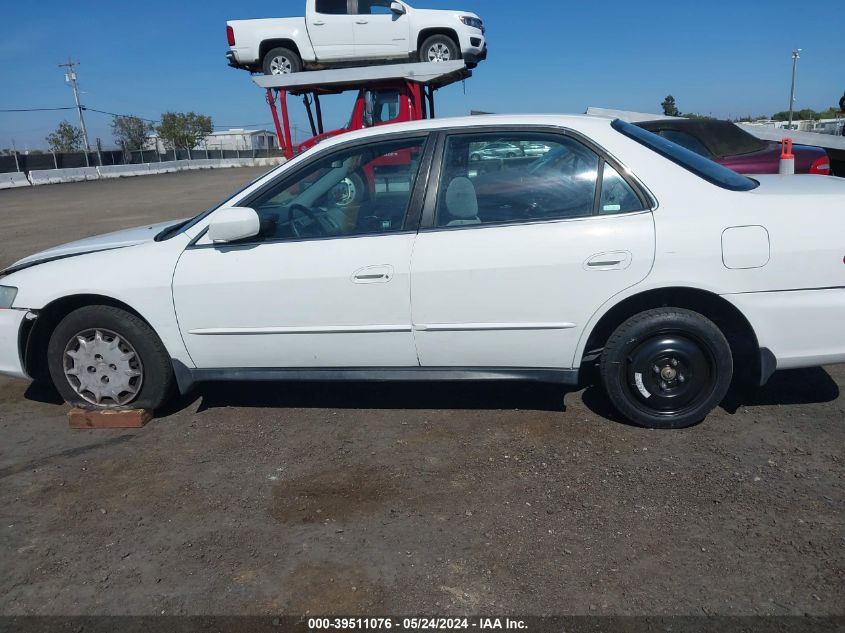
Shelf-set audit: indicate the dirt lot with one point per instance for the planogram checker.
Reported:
(375, 499)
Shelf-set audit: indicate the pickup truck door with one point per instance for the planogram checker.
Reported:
(379, 32)
(330, 25)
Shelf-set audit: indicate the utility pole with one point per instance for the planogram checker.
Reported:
(796, 55)
(70, 78)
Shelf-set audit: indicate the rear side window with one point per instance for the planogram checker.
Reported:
(491, 179)
(702, 167)
(617, 196)
(332, 7)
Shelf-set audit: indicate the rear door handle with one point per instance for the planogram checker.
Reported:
(319, 23)
(379, 274)
(615, 260)
(361, 22)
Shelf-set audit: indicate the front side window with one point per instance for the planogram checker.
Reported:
(702, 167)
(489, 179)
(331, 7)
(362, 191)
(374, 7)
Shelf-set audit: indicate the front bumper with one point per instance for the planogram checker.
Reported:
(11, 362)
(475, 58)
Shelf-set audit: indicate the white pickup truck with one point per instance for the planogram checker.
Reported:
(337, 33)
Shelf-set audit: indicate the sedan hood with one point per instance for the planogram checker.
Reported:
(118, 239)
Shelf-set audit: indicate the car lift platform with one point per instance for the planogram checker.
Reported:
(422, 79)
(434, 74)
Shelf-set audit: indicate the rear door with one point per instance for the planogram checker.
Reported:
(331, 28)
(379, 32)
(515, 255)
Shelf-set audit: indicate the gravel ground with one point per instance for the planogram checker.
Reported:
(412, 498)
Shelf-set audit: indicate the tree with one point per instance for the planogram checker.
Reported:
(669, 106)
(693, 115)
(130, 132)
(66, 138)
(183, 129)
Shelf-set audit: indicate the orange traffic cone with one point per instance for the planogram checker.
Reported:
(787, 158)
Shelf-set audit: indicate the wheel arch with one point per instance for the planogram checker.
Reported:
(452, 34)
(754, 361)
(269, 44)
(38, 336)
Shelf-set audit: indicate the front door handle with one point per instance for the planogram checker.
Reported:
(319, 23)
(379, 274)
(361, 22)
(615, 260)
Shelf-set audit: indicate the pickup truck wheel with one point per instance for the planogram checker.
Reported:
(666, 368)
(439, 48)
(281, 61)
(101, 357)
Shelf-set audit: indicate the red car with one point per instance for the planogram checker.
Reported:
(736, 149)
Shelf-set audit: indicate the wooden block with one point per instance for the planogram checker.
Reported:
(132, 419)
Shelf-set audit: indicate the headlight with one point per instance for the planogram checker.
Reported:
(7, 297)
(475, 23)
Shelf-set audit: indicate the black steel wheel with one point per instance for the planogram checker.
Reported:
(666, 368)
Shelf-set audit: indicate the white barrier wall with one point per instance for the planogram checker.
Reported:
(14, 180)
(56, 176)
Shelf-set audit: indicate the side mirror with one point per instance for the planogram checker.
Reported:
(369, 107)
(398, 8)
(233, 224)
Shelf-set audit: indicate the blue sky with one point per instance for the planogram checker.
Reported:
(724, 58)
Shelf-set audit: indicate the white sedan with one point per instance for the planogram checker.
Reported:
(616, 248)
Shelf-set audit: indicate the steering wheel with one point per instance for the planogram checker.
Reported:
(307, 212)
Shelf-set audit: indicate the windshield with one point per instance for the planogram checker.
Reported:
(700, 166)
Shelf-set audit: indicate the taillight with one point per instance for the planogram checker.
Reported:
(230, 35)
(821, 166)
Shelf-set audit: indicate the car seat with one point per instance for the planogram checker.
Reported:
(462, 202)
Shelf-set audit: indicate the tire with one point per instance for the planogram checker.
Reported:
(281, 61)
(439, 48)
(106, 364)
(510, 155)
(666, 368)
(475, 157)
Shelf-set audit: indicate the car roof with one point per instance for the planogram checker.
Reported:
(578, 122)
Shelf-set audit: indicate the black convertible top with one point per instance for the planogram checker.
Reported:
(721, 138)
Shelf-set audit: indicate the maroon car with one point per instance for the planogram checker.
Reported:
(736, 149)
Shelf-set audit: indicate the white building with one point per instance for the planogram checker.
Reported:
(234, 139)
(241, 139)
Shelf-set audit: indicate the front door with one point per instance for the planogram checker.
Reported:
(379, 32)
(331, 28)
(325, 284)
(522, 251)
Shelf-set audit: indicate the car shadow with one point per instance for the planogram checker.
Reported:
(492, 395)
(787, 387)
(43, 392)
(791, 386)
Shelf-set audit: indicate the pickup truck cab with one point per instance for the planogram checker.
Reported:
(337, 33)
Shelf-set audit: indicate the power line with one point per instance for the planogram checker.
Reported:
(40, 109)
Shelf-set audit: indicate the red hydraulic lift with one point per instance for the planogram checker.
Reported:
(416, 84)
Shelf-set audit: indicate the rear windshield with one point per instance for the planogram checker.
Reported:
(689, 160)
